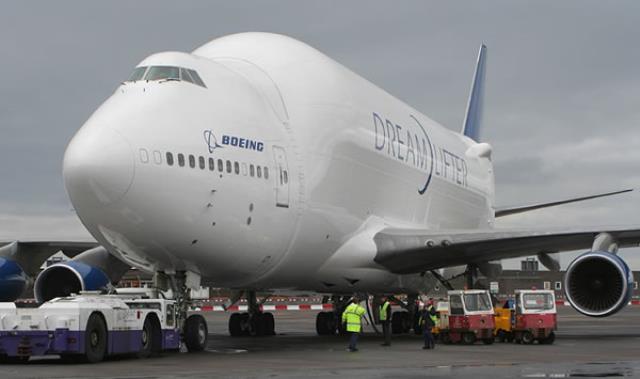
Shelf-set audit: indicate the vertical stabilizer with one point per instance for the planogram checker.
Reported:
(472, 120)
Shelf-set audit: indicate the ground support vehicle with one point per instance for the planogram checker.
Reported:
(503, 320)
(89, 327)
(469, 318)
(535, 317)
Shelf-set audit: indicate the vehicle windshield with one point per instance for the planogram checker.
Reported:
(477, 302)
(137, 74)
(537, 301)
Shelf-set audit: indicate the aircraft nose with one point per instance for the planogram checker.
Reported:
(99, 164)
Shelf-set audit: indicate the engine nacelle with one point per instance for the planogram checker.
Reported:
(92, 270)
(13, 280)
(63, 279)
(598, 284)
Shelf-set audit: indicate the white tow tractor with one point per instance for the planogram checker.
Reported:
(91, 326)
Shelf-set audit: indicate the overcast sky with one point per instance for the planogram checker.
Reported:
(561, 109)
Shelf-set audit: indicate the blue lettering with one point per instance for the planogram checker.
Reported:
(225, 140)
(260, 146)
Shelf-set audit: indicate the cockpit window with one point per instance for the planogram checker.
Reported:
(163, 72)
(166, 73)
(137, 74)
(184, 75)
(196, 78)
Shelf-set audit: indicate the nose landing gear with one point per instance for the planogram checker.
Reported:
(254, 322)
(194, 330)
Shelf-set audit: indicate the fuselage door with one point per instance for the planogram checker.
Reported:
(282, 177)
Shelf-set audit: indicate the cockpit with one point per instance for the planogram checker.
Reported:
(166, 73)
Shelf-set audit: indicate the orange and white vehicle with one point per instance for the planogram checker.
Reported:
(469, 318)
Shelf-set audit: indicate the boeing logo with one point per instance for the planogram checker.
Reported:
(211, 140)
(227, 140)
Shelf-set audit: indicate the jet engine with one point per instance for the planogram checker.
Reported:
(94, 269)
(13, 280)
(598, 284)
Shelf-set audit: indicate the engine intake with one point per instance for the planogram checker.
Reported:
(92, 270)
(63, 279)
(598, 284)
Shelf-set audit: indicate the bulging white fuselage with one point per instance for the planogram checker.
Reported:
(274, 174)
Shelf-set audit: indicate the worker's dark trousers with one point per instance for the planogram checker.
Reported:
(429, 343)
(353, 340)
(386, 331)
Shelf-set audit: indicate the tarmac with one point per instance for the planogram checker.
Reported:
(584, 347)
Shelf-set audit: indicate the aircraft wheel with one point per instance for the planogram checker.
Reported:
(527, 338)
(269, 324)
(258, 324)
(235, 329)
(196, 333)
(468, 338)
(95, 339)
(397, 322)
(324, 324)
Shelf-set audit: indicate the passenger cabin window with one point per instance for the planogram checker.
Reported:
(201, 162)
(170, 159)
(251, 170)
(137, 74)
(266, 172)
(212, 164)
(192, 161)
(220, 165)
(259, 171)
(236, 167)
(181, 160)
(229, 167)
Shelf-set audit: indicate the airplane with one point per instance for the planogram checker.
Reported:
(257, 163)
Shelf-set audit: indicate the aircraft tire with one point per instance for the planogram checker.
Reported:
(234, 325)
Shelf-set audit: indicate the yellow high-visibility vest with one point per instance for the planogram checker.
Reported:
(383, 311)
(352, 316)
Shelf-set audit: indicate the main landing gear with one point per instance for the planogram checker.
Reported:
(330, 323)
(254, 322)
(194, 328)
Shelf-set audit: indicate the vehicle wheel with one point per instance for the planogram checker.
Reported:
(151, 338)
(269, 325)
(196, 333)
(488, 341)
(445, 338)
(549, 340)
(510, 337)
(95, 339)
(234, 325)
(13, 360)
(527, 338)
(468, 338)
(397, 322)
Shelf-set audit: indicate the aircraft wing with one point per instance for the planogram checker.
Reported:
(406, 251)
(30, 255)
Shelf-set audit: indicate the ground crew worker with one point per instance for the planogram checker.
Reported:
(385, 320)
(428, 319)
(352, 318)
